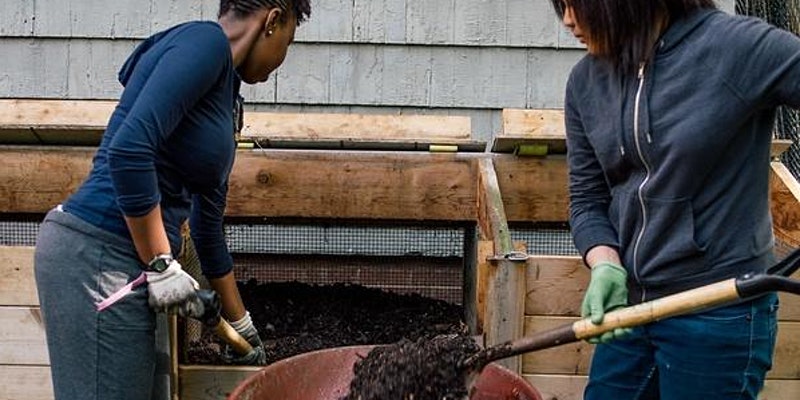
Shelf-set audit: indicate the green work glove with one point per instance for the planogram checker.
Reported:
(607, 291)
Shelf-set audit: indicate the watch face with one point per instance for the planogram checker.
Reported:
(159, 264)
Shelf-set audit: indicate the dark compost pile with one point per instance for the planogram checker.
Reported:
(295, 318)
(425, 369)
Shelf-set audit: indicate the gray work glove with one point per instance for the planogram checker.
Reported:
(248, 331)
(172, 290)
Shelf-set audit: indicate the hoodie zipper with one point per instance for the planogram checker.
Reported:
(640, 191)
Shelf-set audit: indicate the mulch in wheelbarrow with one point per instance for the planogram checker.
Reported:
(425, 369)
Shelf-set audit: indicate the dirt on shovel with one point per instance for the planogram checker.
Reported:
(425, 369)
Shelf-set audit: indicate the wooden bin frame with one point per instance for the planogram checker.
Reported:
(295, 166)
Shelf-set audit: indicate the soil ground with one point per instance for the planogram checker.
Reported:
(294, 318)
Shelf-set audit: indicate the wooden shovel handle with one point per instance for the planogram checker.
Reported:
(680, 303)
(677, 304)
(226, 332)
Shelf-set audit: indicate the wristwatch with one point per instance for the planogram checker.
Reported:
(159, 263)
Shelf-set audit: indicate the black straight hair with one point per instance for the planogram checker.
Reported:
(624, 31)
(300, 8)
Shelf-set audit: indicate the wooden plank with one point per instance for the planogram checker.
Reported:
(415, 186)
(22, 338)
(789, 304)
(785, 209)
(780, 390)
(524, 126)
(546, 127)
(210, 382)
(569, 387)
(37, 179)
(485, 274)
(350, 130)
(319, 184)
(353, 185)
(575, 358)
(568, 359)
(82, 122)
(53, 121)
(787, 352)
(534, 189)
(504, 297)
(785, 204)
(17, 284)
(18, 382)
(779, 146)
(555, 285)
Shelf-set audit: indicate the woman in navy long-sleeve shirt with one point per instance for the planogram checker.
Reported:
(165, 158)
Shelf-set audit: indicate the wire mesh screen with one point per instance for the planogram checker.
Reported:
(346, 240)
(784, 14)
(402, 259)
(546, 241)
(18, 233)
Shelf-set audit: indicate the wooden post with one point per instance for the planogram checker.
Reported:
(505, 289)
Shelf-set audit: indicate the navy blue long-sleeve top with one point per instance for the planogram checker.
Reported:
(169, 142)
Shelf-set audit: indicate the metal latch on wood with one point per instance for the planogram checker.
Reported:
(518, 256)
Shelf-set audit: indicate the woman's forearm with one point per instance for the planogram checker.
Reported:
(148, 234)
(232, 306)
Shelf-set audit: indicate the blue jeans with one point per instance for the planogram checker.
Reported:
(107, 355)
(721, 354)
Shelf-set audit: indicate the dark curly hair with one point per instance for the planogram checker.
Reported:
(300, 8)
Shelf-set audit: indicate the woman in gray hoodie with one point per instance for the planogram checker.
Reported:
(669, 120)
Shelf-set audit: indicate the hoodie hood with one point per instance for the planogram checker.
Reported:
(681, 28)
(130, 64)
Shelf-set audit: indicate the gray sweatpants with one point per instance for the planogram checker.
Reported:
(95, 355)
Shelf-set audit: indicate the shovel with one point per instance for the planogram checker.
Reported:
(728, 291)
(211, 318)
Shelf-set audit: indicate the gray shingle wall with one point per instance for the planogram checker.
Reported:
(462, 57)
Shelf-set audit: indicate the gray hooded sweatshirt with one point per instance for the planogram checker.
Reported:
(672, 166)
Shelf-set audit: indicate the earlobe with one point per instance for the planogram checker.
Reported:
(273, 17)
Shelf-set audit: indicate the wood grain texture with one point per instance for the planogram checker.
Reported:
(17, 284)
(20, 382)
(83, 122)
(785, 204)
(317, 184)
(356, 128)
(210, 382)
(353, 185)
(22, 337)
(36, 179)
(555, 285)
(534, 189)
(568, 359)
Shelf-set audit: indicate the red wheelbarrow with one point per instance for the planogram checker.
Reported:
(326, 375)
